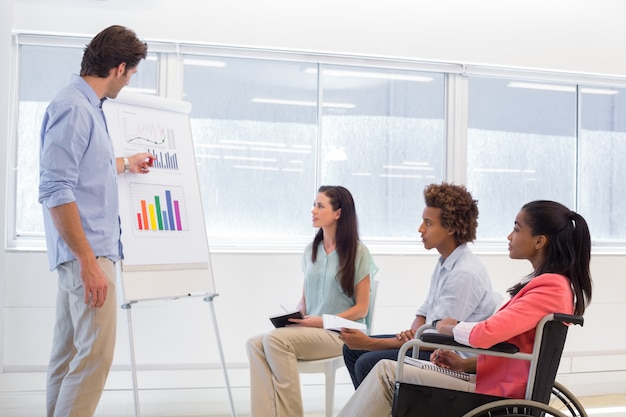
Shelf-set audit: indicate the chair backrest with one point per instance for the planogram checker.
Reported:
(370, 312)
(549, 342)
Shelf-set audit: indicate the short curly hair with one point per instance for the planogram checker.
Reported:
(459, 210)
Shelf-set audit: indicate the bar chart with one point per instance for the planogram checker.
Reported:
(164, 160)
(158, 208)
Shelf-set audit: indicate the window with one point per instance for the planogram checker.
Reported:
(270, 127)
(521, 142)
(602, 198)
(254, 124)
(383, 137)
(261, 151)
(526, 141)
(43, 71)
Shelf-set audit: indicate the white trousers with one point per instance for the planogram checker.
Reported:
(274, 377)
(83, 345)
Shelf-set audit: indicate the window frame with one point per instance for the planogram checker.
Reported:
(169, 84)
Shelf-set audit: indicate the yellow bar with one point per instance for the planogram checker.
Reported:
(151, 209)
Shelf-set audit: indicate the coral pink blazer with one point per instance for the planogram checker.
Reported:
(515, 323)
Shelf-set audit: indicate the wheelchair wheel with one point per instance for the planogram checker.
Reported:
(515, 408)
(562, 399)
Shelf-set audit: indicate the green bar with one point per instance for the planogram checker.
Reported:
(157, 203)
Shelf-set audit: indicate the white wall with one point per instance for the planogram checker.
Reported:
(575, 35)
(175, 340)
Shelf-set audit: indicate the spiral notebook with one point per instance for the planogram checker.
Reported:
(432, 367)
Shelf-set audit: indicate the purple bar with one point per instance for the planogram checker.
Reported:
(179, 225)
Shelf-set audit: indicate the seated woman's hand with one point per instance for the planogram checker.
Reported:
(309, 321)
(449, 359)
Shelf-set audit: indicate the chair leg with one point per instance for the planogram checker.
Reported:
(330, 390)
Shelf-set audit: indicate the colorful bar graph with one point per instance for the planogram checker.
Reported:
(159, 211)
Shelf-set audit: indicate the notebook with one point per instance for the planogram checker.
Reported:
(432, 367)
(336, 323)
(282, 320)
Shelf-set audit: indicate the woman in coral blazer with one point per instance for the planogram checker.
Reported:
(556, 241)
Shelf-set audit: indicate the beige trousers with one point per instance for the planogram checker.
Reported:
(83, 345)
(374, 397)
(274, 377)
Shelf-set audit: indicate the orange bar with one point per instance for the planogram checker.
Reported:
(144, 214)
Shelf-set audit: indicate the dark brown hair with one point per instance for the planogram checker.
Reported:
(459, 210)
(347, 238)
(111, 47)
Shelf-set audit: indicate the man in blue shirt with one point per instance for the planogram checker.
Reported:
(460, 286)
(78, 191)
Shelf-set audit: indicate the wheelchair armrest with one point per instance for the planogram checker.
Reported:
(568, 318)
(445, 339)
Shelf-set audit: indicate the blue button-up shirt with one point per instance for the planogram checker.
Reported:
(460, 288)
(77, 164)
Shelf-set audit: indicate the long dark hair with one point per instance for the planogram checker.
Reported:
(347, 237)
(568, 247)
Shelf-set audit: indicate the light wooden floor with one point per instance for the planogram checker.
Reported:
(33, 405)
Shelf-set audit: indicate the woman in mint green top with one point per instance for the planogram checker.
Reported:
(322, 290)
(337, 271)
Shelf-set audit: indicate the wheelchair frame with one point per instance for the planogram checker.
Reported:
(544, 359)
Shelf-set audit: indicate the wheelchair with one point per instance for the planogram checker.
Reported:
(545, 397)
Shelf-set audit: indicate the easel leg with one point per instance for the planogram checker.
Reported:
(132, 357)
(209, 299)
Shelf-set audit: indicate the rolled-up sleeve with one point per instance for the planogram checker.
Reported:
(65, 136)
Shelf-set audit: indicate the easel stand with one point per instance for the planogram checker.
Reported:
(152, 250)
(209, 299)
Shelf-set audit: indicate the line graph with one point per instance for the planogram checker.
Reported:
(149, 133)
(142, 140)
(140, 132)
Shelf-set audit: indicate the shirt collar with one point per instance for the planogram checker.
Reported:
(86, 90)
(449, 262)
